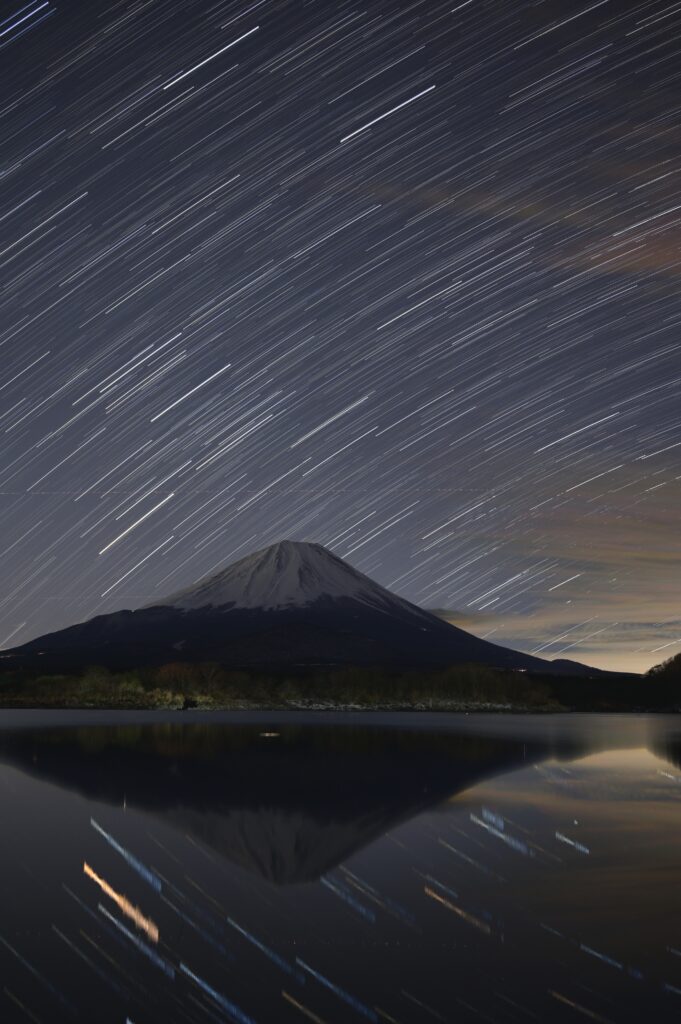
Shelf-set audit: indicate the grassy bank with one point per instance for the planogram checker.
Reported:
(209, 686)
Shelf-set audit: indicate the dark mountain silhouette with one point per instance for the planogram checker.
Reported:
(291, 604)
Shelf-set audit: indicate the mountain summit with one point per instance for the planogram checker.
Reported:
(288, 606)
(289, 574)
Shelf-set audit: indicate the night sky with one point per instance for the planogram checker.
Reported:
(400, 278)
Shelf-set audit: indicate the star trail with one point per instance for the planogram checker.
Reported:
(399, 278)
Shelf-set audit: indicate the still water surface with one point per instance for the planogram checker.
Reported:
(390, 868)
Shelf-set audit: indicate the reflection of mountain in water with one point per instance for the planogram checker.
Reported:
(289, 806)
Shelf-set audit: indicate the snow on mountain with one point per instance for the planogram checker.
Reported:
(289, 574)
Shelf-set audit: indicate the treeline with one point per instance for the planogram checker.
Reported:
(461, 687)
(667, 672)
(181, 684)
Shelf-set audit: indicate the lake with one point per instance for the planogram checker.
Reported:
(254, 867)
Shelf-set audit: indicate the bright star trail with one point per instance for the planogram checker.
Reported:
(400, 278)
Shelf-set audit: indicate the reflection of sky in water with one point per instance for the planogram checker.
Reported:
(623, 807)
(550, 892)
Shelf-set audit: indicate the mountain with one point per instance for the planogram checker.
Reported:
(289, 605)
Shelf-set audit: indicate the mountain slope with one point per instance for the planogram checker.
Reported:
(290, 604)
(289, 575)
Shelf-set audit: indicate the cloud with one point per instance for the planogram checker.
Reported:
(621, 612)
(601, 233)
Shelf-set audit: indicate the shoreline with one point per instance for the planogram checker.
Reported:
(333, 707)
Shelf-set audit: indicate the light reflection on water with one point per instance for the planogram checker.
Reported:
(389, 868)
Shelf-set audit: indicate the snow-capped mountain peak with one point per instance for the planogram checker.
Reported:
(289, 574)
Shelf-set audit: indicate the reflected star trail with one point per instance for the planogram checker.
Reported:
(400, 278)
